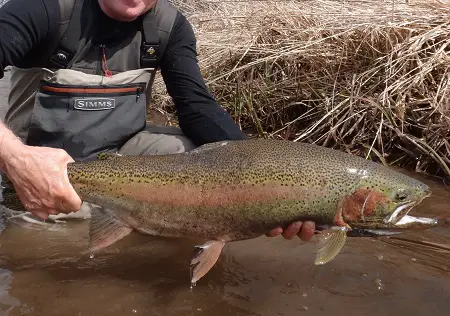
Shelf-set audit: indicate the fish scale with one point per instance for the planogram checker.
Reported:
(246, 171)
(236, 190)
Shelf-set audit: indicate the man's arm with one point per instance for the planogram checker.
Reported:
(24, 26)
(201, 118)
(39, 174)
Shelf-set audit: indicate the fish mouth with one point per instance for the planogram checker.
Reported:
(399, 213)
(408, 220)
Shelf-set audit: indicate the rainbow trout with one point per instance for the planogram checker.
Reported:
(235, 190)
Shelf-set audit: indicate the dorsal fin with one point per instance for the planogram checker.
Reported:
(107, 156)
(209, 146)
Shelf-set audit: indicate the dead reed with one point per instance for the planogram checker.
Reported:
(367, 77)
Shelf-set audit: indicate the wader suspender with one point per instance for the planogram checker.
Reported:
(156, 26)
(67, 45)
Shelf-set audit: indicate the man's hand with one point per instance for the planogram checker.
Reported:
(304, 230)
(39, 175)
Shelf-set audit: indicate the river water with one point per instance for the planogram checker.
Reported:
(43, 272)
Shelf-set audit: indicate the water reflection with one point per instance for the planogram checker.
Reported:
(8, 302)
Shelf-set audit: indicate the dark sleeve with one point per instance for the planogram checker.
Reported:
(24, 25)
(200, 117)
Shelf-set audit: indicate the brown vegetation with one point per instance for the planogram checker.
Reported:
(367, 77)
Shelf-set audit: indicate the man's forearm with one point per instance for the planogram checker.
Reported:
(201, 118)
(9, 145)
(209, 125)
(39, 175)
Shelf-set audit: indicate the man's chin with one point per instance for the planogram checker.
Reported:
(126, 14)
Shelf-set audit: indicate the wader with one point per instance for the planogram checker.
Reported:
(92, 97)
(89, 97)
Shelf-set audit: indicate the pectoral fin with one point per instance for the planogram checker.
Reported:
(205, 259)
(105, 230)
(330, 244)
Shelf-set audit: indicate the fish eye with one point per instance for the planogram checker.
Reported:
(401, 195)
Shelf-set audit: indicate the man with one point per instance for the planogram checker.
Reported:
(79, 76)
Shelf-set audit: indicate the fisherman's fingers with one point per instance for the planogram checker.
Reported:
(47, 189)
(66, 199)
(275, 232)
(42, 214)
(72, 202)
(304, 231)
(307, 231)
(292, 230)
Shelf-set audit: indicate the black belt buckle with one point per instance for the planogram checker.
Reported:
(61, 58)
(149, 57)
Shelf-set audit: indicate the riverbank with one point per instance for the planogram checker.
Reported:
(366, 77)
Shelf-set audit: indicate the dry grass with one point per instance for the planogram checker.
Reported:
(367, 77)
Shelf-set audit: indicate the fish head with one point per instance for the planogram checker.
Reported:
(382, 199)
(378, 206)
(401, 199)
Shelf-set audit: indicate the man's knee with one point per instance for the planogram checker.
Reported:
(157, 140)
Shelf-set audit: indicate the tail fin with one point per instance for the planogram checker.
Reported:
(3, 218)
(6, 183)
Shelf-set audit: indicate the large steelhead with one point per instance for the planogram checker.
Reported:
(235, 190)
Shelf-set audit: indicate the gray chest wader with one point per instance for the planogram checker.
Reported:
(86, 113)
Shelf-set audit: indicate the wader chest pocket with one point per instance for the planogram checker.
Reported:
(86, 120)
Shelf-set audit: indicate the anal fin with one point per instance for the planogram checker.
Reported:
(105, 230)
(330, 244)
(205, 259)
